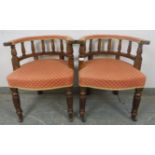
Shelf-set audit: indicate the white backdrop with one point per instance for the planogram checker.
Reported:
(148, 66)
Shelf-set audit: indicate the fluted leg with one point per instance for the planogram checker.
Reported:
(69, 96)
(16, 102)
(136, 103)
(82, 103)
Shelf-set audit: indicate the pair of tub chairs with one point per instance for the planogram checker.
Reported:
(110, 72)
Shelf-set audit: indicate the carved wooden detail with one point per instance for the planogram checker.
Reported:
(16, 102)
(69, 96)
(83, 94)
(136, 103)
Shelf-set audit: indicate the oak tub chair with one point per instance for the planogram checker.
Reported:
(41, 74)
(108, 73)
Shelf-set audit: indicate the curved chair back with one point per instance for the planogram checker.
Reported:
(94, 45)
(39, 46)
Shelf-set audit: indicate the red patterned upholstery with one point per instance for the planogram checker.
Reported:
(42, 75)
(110, 74)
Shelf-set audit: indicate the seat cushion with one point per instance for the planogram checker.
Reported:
(42, 75)
(110, 74)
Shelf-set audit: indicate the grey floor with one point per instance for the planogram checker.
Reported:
(103, 108)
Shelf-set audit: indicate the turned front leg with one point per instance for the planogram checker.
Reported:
(136, 103)
(16, 102)
(82, 103)
(69, 95)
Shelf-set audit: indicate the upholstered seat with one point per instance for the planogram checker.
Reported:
(42, 75)
(110, 74)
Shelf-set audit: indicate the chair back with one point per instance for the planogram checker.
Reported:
(36, 46)
(113, 45)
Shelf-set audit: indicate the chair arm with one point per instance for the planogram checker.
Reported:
(8, 43)
(145, 42)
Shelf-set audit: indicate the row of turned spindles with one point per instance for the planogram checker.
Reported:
(42, 47)
(99, 48)
(109, 47)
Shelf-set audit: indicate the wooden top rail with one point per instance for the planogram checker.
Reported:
(46, 37)
(119, 37)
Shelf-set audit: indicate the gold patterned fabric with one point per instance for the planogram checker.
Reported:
(42, 75)
(110, 74)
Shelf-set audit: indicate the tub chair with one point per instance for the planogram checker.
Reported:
(49, 66)
(111, 62)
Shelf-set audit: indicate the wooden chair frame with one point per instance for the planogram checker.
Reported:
(16, 63)
(137, 59)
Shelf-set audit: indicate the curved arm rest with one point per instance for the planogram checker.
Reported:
(121, 37)
(145, 42)
(16, 41)
(8, 43)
